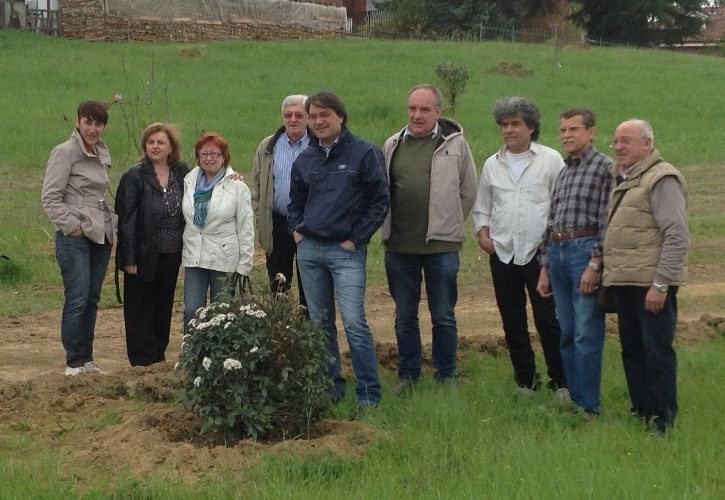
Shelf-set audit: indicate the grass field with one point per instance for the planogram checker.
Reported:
(469, 442)
(236, 89)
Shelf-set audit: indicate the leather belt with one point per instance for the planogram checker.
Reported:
(93, 202)
(576, 234)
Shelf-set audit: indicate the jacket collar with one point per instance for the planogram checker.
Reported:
(450, 128)
(280, 131)
(639, 168)
(101, 149)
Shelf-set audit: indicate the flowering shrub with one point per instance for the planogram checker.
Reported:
(255, 368)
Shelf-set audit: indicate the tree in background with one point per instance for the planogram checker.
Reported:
(528, 9)
(441, 17)
(454, 78)
(638, 22)
(641, 22)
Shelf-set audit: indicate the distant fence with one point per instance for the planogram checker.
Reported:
(362, 23)
(38, 20)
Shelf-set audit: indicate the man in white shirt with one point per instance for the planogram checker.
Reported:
(510, 214)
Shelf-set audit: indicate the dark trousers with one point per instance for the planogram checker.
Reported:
(649, 359)
(147, 308)
(282, 258)
(510, 283)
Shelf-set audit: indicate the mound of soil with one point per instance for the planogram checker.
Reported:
(129, 420)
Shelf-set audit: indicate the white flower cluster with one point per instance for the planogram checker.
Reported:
(200, 313)
(217, 320)
(253, 350)
(232, 364)
(250, 311)
(280, 277)
(197, 381)
(206, 363)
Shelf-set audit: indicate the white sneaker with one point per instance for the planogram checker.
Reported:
(525, 391)
(91, 366)
(73, 371)
(562, 395)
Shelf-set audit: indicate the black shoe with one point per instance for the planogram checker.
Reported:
(363, 408)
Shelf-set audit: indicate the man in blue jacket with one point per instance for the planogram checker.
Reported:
(338, 199)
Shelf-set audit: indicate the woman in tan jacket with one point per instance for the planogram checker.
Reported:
(73, 196)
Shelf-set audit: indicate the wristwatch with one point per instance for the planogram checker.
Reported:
(596, 267)
(660, 286)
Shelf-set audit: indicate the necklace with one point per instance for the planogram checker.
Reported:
(164, 186)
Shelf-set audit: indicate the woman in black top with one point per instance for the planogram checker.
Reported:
(150, 230)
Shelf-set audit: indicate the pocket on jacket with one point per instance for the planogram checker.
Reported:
(230, 247)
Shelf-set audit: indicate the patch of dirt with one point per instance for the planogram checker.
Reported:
(190, 52)
(97, 419)
(511, 69)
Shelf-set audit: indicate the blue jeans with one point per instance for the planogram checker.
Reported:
(580, 320)
(649, 359)
(330, 271)
(83, 267)
(404, 279)
(198, 282)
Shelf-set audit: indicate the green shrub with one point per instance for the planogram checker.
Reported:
(454, 78)
(11, 272)
(256, 368)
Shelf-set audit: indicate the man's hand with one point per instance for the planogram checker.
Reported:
(236, 176)
(76, 232)
(348, 245)
(131, 269)
(654, 301)
(484, 241)
(544, 285)
(297, 236)
(589, 281)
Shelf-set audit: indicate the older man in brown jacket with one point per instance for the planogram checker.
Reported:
(645, 248)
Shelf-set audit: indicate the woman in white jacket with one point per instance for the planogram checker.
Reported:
(219, 232)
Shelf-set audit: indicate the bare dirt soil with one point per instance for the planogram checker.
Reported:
(97, 421)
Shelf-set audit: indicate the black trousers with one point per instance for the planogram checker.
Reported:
(510, 283)
(282, 258)
(147, 308)
(648, 355)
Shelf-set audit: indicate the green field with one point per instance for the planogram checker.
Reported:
(236, 88)
(470, 442)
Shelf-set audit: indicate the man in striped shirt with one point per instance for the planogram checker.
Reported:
(571, 257)
(270, 192)
(509, 215)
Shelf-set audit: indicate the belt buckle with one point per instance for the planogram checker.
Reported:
(556, 236)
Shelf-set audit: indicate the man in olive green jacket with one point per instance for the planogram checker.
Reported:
(645, 251)
(270, 192)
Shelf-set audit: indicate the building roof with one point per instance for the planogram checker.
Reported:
(715, 24)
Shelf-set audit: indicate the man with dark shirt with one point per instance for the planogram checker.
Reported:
(571, 257)
(338, 199)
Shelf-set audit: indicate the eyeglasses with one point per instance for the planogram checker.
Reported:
(571, 130)
(210, 154)
(297, 115)
(624, 141)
